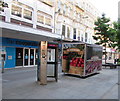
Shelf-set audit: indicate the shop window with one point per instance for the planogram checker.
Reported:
(63, 30)
(28, 14)
(40, 19)
(48, 21)
(16, 10)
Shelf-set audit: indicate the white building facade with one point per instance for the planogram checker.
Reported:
(24, 24)
(75, 20)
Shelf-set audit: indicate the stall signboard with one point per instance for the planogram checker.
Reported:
(81, 59)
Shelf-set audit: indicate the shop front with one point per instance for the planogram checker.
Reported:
(19, 53)
(24, 53)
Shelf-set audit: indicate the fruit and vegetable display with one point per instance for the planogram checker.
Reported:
(77, 62)
(74, 60)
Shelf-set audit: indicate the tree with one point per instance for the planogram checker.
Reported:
(115, 36)
(118, 36)
(102, 35)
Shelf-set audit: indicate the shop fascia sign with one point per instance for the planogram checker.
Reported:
(21, 42)
(52, 45)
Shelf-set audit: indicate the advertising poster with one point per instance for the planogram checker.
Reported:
(94, 59)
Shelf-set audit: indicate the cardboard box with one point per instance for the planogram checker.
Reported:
(76, 70)
(79, 70)
(64, 64)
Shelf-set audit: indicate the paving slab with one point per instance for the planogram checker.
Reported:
(23, 85)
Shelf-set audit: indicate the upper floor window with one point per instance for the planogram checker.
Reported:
(69, 10)
(59, 4)
(1, 9)
(68, 32)
(79, 35)
(1, 6)
(16, 10)
(44, 18)
(86, 35)
(82, 38)
(75, 14)
(63, 30)
(27, 14)
(48, 21)
(64, 9)
(40, 19)
(74, 33)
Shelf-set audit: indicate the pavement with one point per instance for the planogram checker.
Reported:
(22, 83)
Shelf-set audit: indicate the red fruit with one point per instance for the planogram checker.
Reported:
(82, 65)
(79, 65)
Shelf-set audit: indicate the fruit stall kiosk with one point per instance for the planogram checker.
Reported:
(81, 59)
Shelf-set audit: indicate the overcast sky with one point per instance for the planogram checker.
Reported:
(109, 7)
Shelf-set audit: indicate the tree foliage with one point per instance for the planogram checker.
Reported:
(102, 30)
(118, 36)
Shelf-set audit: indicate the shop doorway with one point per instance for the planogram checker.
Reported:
(19, 56)
(26, 57)
(31, 56)
(36, 56)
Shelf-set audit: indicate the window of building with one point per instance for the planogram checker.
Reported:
(74, 33)
(75, 13)
(63, 30)
(40, 19)
(59, 4)
(68, 10)
(1, 8)
(82, 37)
(48, 21)
(86, 37)
(27, 14)
(71, 13)
(79, 35)
(16, 10)
(64, 9)
(68, 32)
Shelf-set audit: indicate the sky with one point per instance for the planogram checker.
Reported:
(109, 7)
